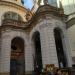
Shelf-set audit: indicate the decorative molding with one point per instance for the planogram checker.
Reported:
(9, 22)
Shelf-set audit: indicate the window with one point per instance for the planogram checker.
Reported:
(13, 16)
(52, 2)
(22, 1)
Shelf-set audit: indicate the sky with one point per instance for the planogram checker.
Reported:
(28, 3)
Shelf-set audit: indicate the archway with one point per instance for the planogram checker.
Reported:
(17, 61)
(59, 48)
(38, 55)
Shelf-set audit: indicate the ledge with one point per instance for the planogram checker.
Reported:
(10, 22)
(5, 73)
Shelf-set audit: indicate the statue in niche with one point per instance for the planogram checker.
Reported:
(45, 2)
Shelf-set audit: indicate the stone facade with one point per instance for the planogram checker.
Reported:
(45, 20)
(69, 10)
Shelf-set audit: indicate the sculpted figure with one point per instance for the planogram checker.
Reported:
(45, 2)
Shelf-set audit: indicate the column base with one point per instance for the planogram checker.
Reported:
(5, 73)
(28, 73)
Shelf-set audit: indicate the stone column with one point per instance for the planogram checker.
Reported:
(0, 44)
(67, 49)
(28, 57)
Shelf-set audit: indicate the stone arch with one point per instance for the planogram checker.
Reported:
(61, 54)
(17, 59)
(12, 15)
(37, 51)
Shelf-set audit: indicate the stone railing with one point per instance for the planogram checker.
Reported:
(10, 22)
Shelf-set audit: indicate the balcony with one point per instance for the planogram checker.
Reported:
(10, 22)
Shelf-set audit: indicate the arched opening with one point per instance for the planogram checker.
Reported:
(38, 55)
(17, 61)
(59, 48)
(12, 16)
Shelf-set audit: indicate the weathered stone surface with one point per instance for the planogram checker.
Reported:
(45, 25)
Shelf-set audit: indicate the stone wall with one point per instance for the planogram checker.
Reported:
(7, 37)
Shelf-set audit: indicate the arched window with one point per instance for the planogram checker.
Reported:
(38, 54)
(59, 48)
(13, 16)
(17, 60)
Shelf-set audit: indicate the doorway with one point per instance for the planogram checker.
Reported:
(17, 61)
(38, 54)
(59, 48)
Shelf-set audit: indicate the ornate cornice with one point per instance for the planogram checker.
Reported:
(13, 5)
(10, 22)
(8, 27)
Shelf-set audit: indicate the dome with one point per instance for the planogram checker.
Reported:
(20, 2)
